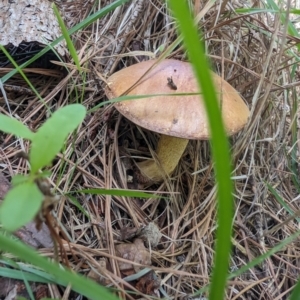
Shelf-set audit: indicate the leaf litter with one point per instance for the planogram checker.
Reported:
(255, 55)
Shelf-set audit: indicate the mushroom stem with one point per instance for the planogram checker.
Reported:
(169, 151)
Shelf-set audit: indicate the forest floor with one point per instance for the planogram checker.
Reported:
(257, 53)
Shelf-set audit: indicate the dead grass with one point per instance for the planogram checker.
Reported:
(255, 55)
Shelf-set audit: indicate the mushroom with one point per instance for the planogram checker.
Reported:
(177, 118)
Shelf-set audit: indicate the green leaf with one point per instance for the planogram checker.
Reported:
(20, 205)
(220, 146)
(50, 137)
(17, 274)
(84, 286)
(15, 127)
(18, 179)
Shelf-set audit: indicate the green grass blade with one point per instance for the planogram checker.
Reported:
(80, 284)
(256, 261)
(281, 201)
(265, 10)
(118, 192)
(292, 30)
(260, 259)
(64, 31)
(78, 205)
(28, 287)
(102, 12)
(220, 147)
(296, 292)
(133, 97)
(17, 274)
(19, 69)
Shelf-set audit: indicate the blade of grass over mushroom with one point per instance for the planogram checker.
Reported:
(66, 35)
(84, 286)
(134, 97)
(89, 20)
(117, 192)
(220, 147)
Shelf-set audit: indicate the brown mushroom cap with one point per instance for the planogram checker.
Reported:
(179, 116)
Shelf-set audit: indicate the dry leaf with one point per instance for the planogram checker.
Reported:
(135, 252)
(149, 284)
(35, 238)
(98, 274)
(127, 233)
(151, 234)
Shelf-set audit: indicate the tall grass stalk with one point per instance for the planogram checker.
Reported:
(220, 147)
